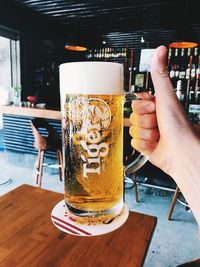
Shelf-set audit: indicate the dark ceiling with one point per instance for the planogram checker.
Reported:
(119, 22)
(115, 15)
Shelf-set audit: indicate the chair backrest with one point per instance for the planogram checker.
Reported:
(51, 141)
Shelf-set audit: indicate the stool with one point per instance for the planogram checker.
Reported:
(50, 142)
(173, 203)
(174, 200)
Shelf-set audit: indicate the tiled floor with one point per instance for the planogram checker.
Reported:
(173, 243)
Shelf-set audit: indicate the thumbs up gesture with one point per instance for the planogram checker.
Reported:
(160, 127)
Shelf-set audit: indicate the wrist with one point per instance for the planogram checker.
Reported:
(186, 157)
(185, 172)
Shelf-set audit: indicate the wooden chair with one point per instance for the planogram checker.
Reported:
(50, 142)
(174, 199)
(173, 203)
(150, 171)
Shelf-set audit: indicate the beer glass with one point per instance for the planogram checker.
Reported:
(92, 98)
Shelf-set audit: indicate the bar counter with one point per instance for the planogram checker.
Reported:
(17, 132)
(31, 112)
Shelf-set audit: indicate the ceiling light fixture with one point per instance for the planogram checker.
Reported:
(183, 45)
(75, 42)
(75, 48)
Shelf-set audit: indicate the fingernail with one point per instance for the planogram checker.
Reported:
(161, 52)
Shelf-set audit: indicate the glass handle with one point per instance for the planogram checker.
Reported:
(140, 160)
(135, 165)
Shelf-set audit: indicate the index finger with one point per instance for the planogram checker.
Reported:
(144, 96)
(141, 107)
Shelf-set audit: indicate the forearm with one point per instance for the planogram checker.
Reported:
(186, 173)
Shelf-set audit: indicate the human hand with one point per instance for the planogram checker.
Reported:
(160, 127)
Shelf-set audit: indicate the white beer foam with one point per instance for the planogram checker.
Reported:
(98, 78)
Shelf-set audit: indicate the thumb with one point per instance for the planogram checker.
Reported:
(163, 87)
(168, 106)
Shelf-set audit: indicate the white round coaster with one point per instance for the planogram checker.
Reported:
(65, 223)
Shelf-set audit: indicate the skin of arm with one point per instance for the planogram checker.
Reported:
(162, 131)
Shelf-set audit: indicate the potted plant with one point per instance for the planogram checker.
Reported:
(17, 95)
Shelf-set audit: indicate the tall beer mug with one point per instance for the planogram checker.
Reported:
(92, 98)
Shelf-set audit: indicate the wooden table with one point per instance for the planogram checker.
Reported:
(28, 237)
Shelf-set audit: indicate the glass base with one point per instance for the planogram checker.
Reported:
(103, 216)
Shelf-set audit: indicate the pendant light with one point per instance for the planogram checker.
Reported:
(183, 45)
(75, 42)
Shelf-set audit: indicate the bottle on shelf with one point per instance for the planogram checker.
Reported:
(194, 106)
(189, 55)
(131, 69)
(197, 83)
(176, 52)
(177, 71)
(192, 99)
(172, 75)
(196, 57)
(193, 77)
(187, 72)
(182, 52)
(169, 57)
(193, 72)
(151, 91)
(190, 74)
(180, 91)
(182, 73)
(172, 72)
(198, 96)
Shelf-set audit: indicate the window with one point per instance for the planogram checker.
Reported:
(5, 63)
(9, 64)
(9, 60)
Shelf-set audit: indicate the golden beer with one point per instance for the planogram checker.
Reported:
(92, 146)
